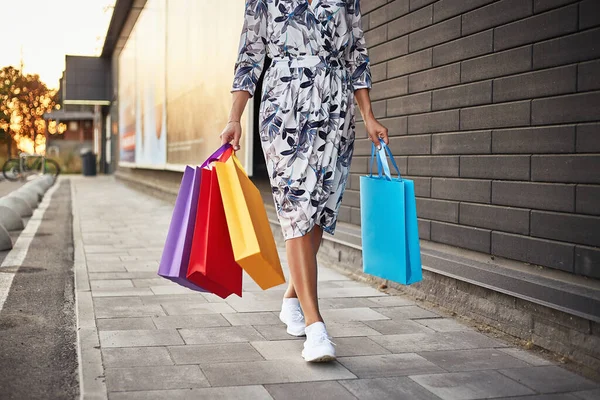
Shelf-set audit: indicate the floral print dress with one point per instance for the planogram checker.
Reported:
(307, 106)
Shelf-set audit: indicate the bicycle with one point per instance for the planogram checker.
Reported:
(20, 168)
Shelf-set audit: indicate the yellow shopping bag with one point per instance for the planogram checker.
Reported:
(252, 240)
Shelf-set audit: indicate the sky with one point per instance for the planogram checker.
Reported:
(44, 31)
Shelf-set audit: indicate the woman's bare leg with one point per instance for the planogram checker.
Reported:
(302, 260)
(317, 236)
(290, 291)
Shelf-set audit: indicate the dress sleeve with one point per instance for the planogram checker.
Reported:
(252, 47)
(358, 59)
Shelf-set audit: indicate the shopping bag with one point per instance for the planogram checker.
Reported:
(251, 236)
(176, 252)
(390, 236)
(212, 264)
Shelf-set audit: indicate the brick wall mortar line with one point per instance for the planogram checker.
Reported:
(467, 202)
(391, 20)
(428, 47)
(575, 197)
(577, 77)
(530, 165)
(465, 12)
(487, 78)
(532, 69)
(376, 8)
(574, 258)
(532, 44)
(578, 32)
(575, 140)
(431, 151)
(577, 16)
(525, 99)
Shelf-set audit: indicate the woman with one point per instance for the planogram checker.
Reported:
(320, 65)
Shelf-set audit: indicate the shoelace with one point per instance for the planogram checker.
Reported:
(296, 315)
(323, 337)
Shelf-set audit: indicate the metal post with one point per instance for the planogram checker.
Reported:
(21, 167)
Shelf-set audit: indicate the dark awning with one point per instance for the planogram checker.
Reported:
(61, 115)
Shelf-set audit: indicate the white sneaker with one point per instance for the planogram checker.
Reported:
(291, 315)
(318, 347)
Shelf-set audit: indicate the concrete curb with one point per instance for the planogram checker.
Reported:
(10, 220)
(92, 383)
(5, 240)
(30, 198)
(38, 188)
(18, 254)
(44, 181)
(47, 180)
(33, 192)
(19, 205)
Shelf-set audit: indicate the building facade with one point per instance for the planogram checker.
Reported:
(78, 134)
(83, 94)
(172, 76)
(492, 106)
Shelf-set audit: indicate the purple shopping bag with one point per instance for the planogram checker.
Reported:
(176, 253)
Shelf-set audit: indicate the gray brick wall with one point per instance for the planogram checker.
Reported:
(493, 107)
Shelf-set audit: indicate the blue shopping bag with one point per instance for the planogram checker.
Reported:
(390, 236)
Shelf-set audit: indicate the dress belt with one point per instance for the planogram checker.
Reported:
(306, 61)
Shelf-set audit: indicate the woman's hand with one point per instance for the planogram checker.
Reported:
(376, 131)
(232, 134)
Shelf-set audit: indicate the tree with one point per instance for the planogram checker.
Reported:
(23, 101)
(4, 132)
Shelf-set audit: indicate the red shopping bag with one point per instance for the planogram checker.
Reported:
(176, 253)
(212, 264)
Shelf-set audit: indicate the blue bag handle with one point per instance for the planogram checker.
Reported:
(373, 159)
(389, 153)
(382, 163)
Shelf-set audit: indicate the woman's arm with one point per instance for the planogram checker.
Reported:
(360, 75)
(248, 67)
(361, 80)
(252, 47)
(357, 56)
(233, 130)
(375, 130)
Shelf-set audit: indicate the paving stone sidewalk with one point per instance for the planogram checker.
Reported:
(143, 337)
